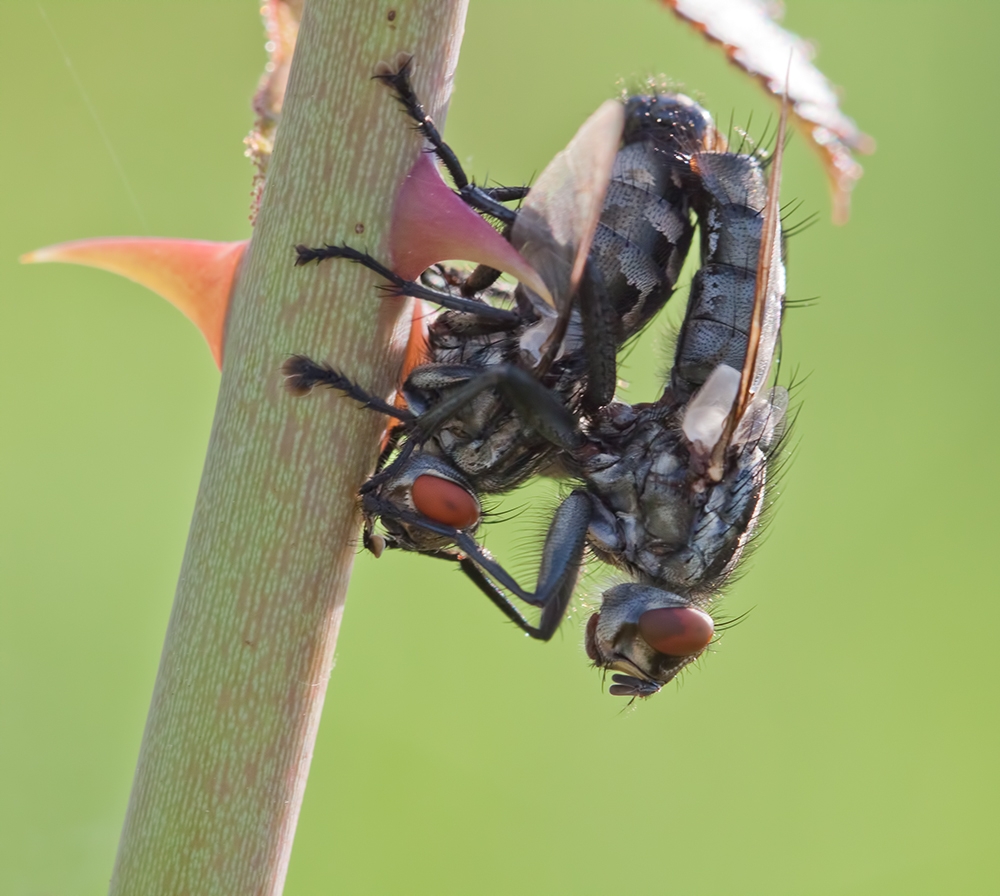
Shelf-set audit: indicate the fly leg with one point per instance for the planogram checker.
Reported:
(601, 338)
(303, 374)
(485, 199)
(393, 436)
(401, 287)
(485, 585)
(506, 194)
(477, 197)
(482, 277)
(501, 602)
(562, 557)
(538, 406)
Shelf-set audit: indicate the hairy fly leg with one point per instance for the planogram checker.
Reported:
(482, 199)
(401, 287)
(537, 406)
(562, 557)
(507, 194)
(540, 408)
(482, 277)
(303, 374)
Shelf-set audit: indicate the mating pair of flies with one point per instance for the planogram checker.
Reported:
(518, 383)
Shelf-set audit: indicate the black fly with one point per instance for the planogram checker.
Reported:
(502, 396)
(673, 490)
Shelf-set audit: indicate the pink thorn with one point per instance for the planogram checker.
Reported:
(195, 276)
(431, 224)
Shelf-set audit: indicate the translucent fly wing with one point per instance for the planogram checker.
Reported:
(754, 41)
(555, 227)
(769, 290)
(763, 423)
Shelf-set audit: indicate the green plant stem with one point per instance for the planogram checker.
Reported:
(249, 646)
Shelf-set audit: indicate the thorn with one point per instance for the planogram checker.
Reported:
(431, 224)
(195, 276)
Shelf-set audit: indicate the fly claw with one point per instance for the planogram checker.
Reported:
(517, 383)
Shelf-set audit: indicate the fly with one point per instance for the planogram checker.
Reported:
(501, 398)
(673, 490)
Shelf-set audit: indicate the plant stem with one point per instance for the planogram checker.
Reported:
(249, 646)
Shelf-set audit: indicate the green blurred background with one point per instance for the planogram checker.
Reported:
(842, 740)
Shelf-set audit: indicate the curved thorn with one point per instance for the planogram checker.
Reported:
(195, 276)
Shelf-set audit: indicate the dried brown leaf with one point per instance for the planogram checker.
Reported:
(752, 38)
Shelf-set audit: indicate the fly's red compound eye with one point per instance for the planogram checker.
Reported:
(445, 502)
(676, 631)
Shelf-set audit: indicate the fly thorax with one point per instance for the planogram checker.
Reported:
(686, 568)
(475, 456)
(473, 426)
(480, 415)
(666, 518)
(664, 500)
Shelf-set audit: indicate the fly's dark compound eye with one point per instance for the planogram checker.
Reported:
(445, 502)
(676, 631)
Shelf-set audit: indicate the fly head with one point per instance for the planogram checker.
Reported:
(647, 633)
(419, 503)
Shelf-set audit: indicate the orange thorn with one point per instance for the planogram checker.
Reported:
(431, 224)
(195, 276)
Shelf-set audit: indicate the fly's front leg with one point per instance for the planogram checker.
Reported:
(499, 600)
(385, 469)
(471, 570)
(539, 407)
(562, 556)
(402, 287)
(303, 374)
(478, 198)
(393, 436)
